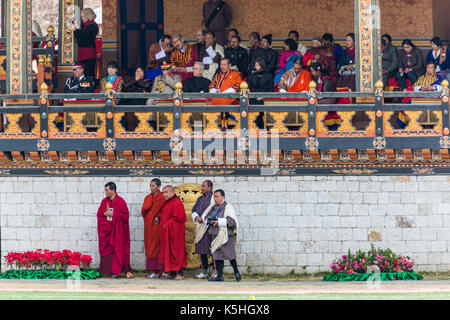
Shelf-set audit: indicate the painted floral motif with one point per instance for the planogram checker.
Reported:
(355, 171)
(141, 172)
(109, 144)
(43, 145)
(67, 172)
(379, 143)
(444, 142)
(311, 143)
(423, 171)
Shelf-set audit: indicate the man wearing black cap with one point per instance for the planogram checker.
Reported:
(79, 83)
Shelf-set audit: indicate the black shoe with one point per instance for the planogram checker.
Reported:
(216, 279)
(238, 276)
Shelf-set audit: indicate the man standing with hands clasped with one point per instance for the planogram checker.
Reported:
(202, 238)
(150, 211)
(222, 227)
(113, 234)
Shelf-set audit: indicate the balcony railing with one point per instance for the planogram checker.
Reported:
(96, 122)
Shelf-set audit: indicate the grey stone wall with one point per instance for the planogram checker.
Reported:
(287, 223)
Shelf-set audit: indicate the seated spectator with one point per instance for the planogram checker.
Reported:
(293, 34)
(325, 84)
(410, 64)
(197, 83)
(270, 55)
(288, 56)
(324, 81)
(260, 81)
(255, 43)
(183, 57)
(295, 80)
(112, 77)
(347, 61)
(312, 55)
(347, 68)
(137, 84)
(237, 55)
(79, 83)
(227, 81)
(329, 54)
(233, 33)
(164, 83)
(328, 41)
(439, 55)
(389, 60)
(157, 54)
(430, 81)
(200, 36)
(210, 55)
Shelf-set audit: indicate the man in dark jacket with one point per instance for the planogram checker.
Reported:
(79, 83)
(197, 83)
(389, 60)
(269, 55)
(238, 56)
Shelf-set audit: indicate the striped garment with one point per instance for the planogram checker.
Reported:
(204, 245)
(182, 59)
(218, 79)
(426, 80)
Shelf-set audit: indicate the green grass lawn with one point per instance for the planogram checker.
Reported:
(51, 295)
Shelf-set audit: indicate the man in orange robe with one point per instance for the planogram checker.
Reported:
(172, 248)
(296, 79)
(151, 210)
(226, 81)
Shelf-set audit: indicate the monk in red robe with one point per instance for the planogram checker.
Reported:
(172, 249)
(151, 210)
(113, 234)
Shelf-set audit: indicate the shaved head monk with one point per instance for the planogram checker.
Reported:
(150, 211)
(172, 249)
(113, 234)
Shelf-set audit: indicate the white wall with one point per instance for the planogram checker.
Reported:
(287, 223)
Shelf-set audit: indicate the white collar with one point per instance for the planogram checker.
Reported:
(436, 55)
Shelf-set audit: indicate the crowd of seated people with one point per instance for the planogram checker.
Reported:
(206, 66)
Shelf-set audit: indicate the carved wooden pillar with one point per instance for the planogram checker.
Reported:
(68, 10)
(18, 53)
(368, 46)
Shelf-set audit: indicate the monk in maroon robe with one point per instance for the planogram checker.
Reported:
(113, 234)
(172, 249)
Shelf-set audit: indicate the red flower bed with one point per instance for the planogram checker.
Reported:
(48, 260)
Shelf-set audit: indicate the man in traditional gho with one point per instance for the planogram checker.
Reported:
(295, 80)
(222, 227)
(197, 83)
(112, 77)
(430, 81)
(202, 238)
(182, 57)
(217, 17)
(172, 249)
(151, 210)
(238, 56)
(113, 234)
(210, 54)
(157, 54)
(227, 81)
